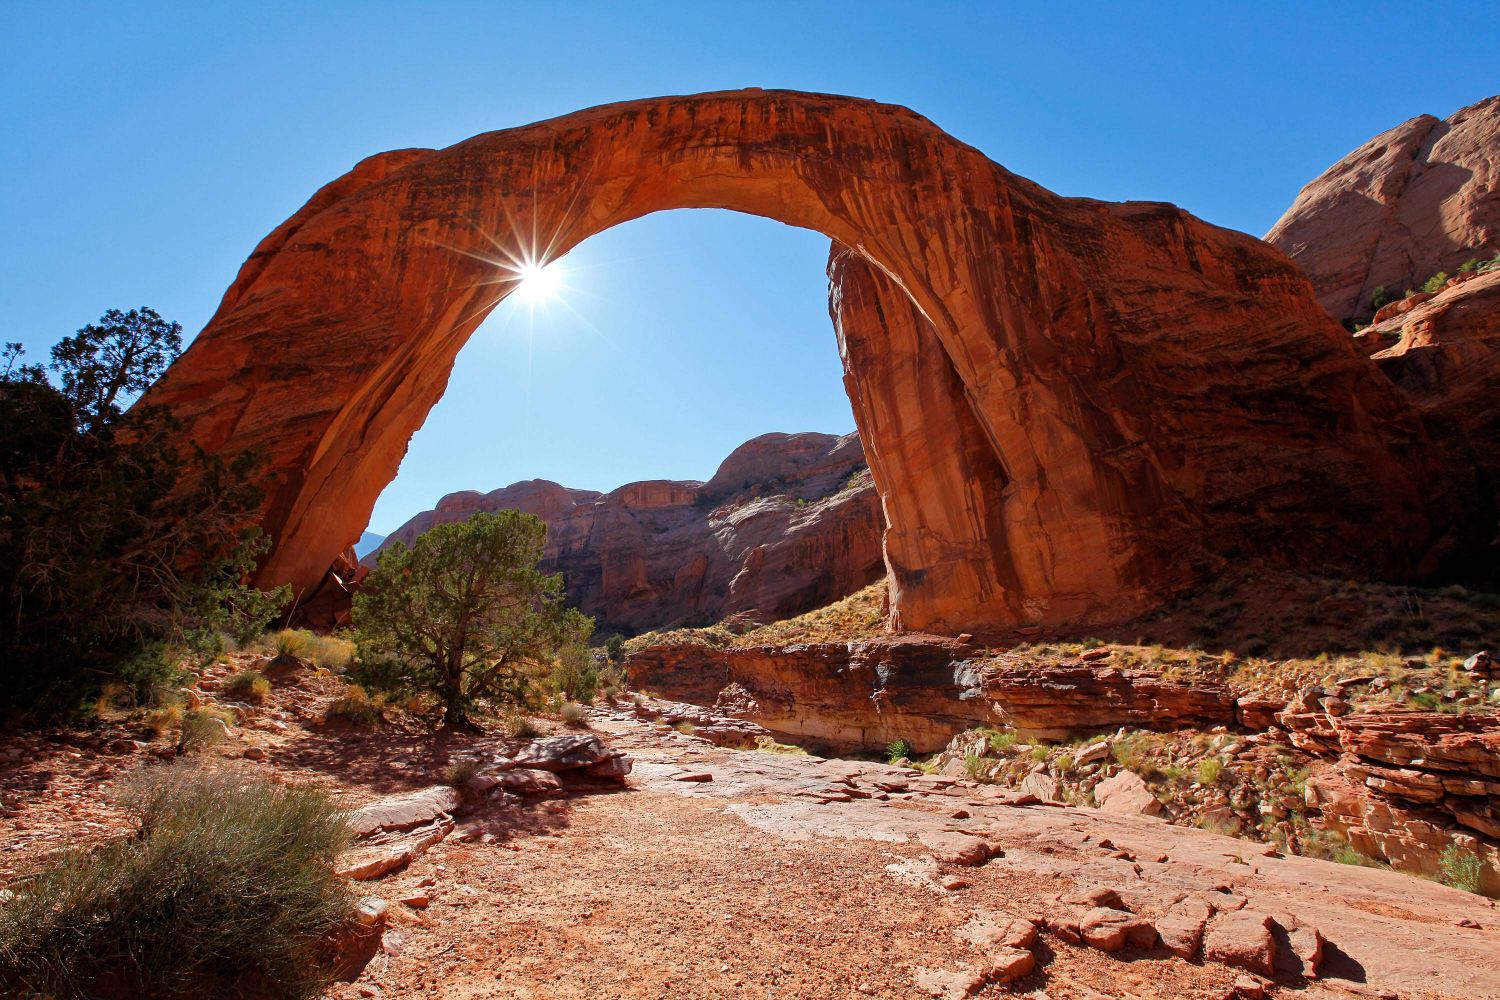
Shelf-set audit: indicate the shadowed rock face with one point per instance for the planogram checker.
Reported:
(1420, 198)
(790, 522)
(1071, 408)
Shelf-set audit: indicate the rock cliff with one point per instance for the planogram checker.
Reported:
(789, 522)
(1418, 199)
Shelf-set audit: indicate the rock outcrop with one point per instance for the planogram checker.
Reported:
(1110, 400)
(1408, 786)
(1418, 199)
(919, 688)
(1444, 354)
(788, 523)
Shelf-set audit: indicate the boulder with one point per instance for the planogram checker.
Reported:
(401, 812)
(1126, 793)
(1243, 939)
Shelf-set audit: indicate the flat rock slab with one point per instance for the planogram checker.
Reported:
(402, 812)
(379, 858)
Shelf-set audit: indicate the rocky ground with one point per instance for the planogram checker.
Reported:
(711, 871)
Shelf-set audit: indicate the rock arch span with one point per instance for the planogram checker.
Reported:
(1072, 408)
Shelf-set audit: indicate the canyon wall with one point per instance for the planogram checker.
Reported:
(1420, 198)
(788, 523)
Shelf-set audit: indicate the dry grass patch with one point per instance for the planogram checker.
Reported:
(227, 888)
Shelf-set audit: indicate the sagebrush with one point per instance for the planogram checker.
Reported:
(227, 888)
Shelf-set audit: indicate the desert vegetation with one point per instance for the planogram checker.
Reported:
(118, 551)
(226, 886)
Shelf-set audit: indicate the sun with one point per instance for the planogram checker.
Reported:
(537, 281)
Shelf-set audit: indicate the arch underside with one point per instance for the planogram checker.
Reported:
(1072, 409)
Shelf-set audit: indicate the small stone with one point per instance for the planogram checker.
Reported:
(693, 776)
(417, 901)
(1006, 964)
(255, 753)
(1249, 988)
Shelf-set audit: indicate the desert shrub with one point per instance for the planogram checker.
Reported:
(227, 887)
(1002, 742)
(1469, 265)
(973, 765)
(575, 676)
(296, 642)
(466, 613)
(1380, 297)
(1435, 283)
(1038, 754)
(614, 647)
(1209, 770)
(162, 720)
(1064, 763)
(116, 542)
(1459, 868)
(897, 750)
(518, 725)
(574, 714)
(355, 706)
(248, 685)
(459, 771)
(1132, 750)
(331, 653)
(611, 681)
(201, 728)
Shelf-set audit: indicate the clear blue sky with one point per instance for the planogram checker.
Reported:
(147, 148)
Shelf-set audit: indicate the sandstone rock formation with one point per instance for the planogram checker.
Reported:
(788, 523)
(1418, 199)
(919, 688)
(1444, 354)
(1106, 398)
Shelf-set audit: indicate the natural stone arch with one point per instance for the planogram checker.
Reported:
(1071, 407)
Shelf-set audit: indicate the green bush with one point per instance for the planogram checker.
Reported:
(897, 750)
(356, 707)
(248, 685)
(1209, 769)
(466, 613)
(1380, 297)
(118, 541)
(1435, 283)
(575, 676)
(1460, 869)
(574, 714)
(226, 888)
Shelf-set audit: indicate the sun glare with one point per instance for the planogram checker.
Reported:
(537, 282)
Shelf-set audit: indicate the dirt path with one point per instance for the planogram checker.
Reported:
(783, 876)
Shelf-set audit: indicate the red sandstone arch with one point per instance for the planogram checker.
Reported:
(1071, 408)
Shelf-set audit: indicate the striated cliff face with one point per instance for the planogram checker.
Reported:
(789, 522)
(1072, 409)
(1418, 199)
